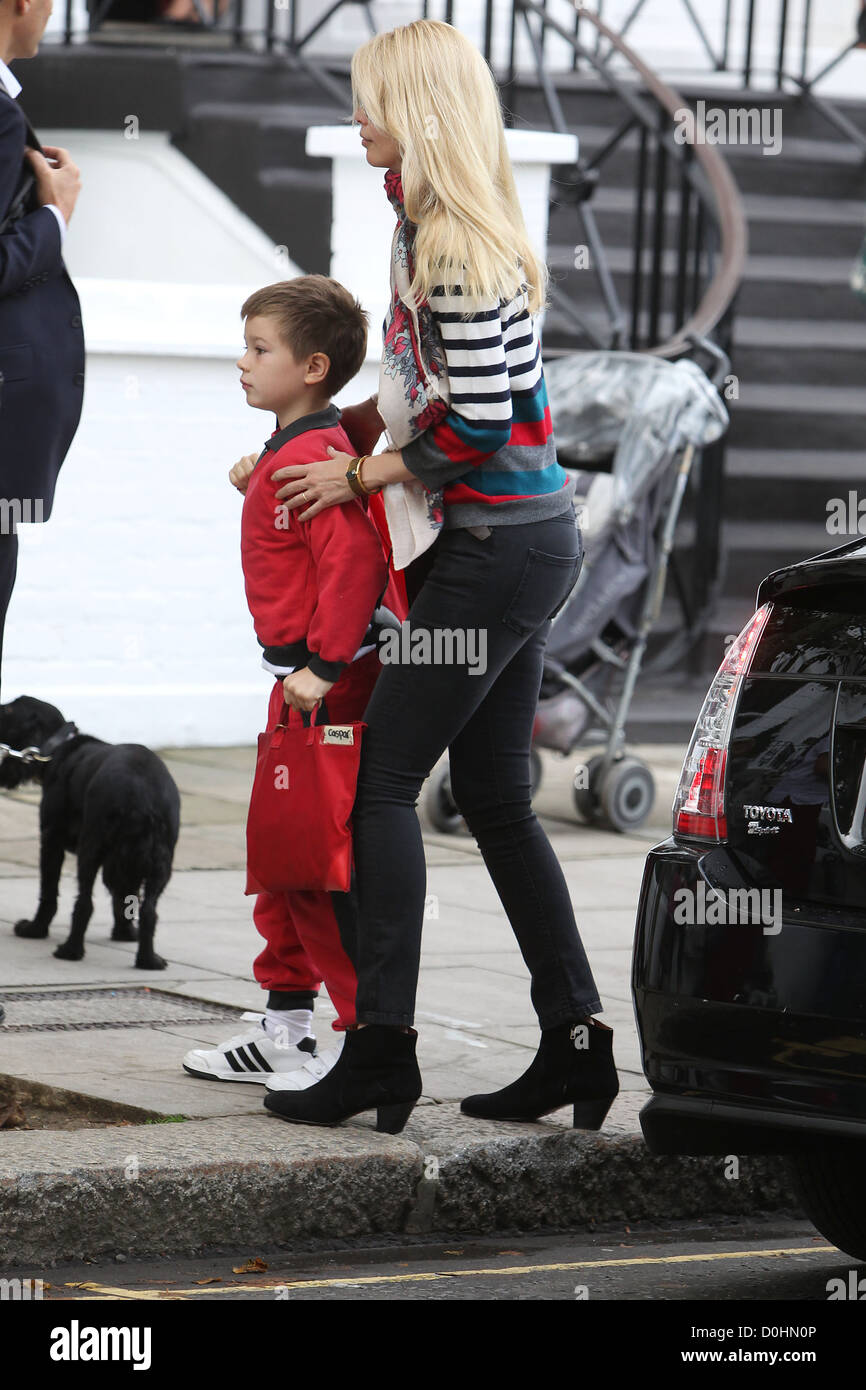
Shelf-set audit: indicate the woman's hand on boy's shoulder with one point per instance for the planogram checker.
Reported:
(239, 475)
(314, 486)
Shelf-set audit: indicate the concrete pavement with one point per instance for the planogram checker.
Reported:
(225, 1168)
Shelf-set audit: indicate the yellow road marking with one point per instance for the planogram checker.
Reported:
(429, 1276)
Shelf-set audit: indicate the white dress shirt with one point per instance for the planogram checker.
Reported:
(13, 87)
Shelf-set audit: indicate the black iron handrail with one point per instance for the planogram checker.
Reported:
(711, 232)
(709, 252)
(787, 35)
(710, 241)
(718, 53)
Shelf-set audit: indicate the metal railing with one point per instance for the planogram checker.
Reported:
(688, 246)
(709, 245)
(792, 47)
(689, 178)
(684, 186)
(788, 36)
(292, 39)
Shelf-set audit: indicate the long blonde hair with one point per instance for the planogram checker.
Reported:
(428, 87)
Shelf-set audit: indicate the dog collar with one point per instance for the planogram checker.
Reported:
(56, 741)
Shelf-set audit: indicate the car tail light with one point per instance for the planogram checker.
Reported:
(699, 805)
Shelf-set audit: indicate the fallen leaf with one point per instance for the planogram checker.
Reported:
(253, 1266)
(214, 1279)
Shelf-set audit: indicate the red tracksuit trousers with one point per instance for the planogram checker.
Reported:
(304, 946)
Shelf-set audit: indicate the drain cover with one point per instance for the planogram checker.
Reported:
(67, 1011)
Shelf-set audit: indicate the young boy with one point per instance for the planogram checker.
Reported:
(312, 588)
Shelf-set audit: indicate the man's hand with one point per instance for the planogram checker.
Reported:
(363, 424)
(303, 690)
(58, 180)
(239, 475)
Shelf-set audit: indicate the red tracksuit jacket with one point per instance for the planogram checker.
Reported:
(312, 586)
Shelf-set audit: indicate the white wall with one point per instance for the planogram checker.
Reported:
(129, 610)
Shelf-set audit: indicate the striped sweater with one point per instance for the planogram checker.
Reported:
(493, 453)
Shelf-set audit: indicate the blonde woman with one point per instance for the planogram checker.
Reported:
(480, 508)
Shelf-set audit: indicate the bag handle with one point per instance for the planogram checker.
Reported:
(322, 709)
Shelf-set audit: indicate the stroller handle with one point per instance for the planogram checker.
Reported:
(721, 362)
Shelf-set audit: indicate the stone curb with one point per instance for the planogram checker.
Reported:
(159, 1189)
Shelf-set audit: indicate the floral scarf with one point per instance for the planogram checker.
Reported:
(413, 388)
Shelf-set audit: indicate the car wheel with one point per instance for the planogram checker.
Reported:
(829, 1184)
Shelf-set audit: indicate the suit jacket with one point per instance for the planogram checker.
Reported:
(41, 336)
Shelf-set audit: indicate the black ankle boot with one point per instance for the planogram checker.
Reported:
(573, 1066)
(375, 1070)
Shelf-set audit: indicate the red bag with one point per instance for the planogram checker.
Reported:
(298, 827)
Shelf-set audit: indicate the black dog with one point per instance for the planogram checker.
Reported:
(114, 805)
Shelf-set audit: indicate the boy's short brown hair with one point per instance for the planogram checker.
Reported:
(314, 313)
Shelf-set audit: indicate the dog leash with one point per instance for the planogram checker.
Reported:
(26, 755)
(33, 754)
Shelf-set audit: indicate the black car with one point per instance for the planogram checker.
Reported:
(749, 972)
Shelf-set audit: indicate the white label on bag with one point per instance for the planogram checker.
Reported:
(338, 733)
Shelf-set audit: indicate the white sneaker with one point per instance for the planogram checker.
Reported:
(311, 1071)
(250, 1056)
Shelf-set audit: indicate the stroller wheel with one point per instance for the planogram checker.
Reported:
(534, 770)
(627, 794)
(584, 790)
(442, 810)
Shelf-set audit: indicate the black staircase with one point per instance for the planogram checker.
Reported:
(798, 433)
(798, 422)
(250, 117)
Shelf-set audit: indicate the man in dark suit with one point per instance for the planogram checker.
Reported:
(41, 337)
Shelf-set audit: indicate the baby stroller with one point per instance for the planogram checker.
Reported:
(643, 419)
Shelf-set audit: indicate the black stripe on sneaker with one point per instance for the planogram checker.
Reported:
(242, 1057)
(233, 1062)
(265, 1066)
